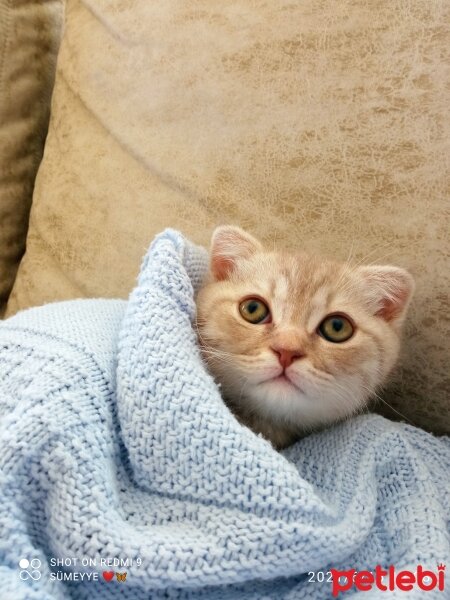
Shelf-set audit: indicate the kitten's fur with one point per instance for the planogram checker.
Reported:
(328, 381)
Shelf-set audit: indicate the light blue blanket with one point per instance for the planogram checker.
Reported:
(115, 444)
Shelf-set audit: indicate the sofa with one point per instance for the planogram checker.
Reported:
(318, 126)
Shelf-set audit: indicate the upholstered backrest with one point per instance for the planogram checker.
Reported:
(321, 126)
(29, 39)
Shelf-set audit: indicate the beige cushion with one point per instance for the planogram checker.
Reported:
(317, 125)
(29, 39)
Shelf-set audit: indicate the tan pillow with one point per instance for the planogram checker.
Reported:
(316, 125)
(29, 39)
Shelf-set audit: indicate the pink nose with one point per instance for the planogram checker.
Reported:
(287, 357)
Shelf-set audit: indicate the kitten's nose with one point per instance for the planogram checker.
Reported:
(287, 357)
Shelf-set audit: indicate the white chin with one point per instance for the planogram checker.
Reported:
(281, 387)
(281, 399)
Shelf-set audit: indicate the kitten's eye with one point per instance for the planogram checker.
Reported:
(254, 310)
(336, 328)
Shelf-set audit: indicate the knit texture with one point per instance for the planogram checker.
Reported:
(115, 443)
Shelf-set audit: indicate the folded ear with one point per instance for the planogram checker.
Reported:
(229, 245)
(388, 290)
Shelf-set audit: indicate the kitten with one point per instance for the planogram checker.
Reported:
(297, 341)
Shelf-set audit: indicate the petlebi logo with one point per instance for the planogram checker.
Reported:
(388, 580)
(30, 569)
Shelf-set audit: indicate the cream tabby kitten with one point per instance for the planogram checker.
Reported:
(297, 341)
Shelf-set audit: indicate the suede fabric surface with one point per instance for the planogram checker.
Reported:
(29, 38)
(317, 125)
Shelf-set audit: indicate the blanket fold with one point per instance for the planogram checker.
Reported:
(118, 453)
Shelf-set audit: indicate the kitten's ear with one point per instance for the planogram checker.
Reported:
(230, 244)
(389, 290)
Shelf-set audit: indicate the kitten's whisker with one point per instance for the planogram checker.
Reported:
(350, 254)
(322, 374)
(389, 405)
(243, 388)
(205, 347)
(214, 352)
(347, 262)
(364, 258)
(350, 269)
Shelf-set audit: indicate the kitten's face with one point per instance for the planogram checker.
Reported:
(294, 339)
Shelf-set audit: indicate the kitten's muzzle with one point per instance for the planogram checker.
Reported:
(286, 357)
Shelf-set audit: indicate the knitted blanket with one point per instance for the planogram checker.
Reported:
(123, 474)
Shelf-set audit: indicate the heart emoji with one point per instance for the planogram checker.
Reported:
(108, 575)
